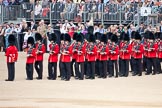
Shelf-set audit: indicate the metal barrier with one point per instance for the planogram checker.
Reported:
(96, 11)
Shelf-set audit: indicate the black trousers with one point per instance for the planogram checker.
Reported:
(39, 68)
(91, 69)
(66, 69)
(144, 63)
(72, 70)
(120, 71)
(52, 70)
(132, 64)
(159, 60)
(137, 66)
(112, 64)
(11, 71)
(60, 68)
(86, 67)
(97, 72)
(103, 69)
(108, 70)
(29, 70)
(151, 62)
(124, 67)
(79, 72)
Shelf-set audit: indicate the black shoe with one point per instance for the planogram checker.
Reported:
(59, 76)
(76, 77)
(49, 78)
(134, 74)
(8, 80)
(28, 79)
(80, 78)
(99, 77)
(67, 79)
(116, 76)
(87, 77)
(110, 76)
(38, 78)
(153, 73)
(147, 73)
(139, 74)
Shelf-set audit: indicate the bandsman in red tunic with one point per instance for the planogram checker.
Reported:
(159, 53)
(80, 58)
(91, 57)
(30, 58)
(151, 57)
(40, 50)
(97, 36)
(103, 52)
(12, 55)
(66, 58)
(125, 51)
(114, 51)
(137, 50)
(53, 57)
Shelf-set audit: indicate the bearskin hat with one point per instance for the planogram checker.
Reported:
(126, 37)
(97, 35)
(160, 36)
(38, 37)
(67, 37)
(30, 40)
(122, 35)
(103, 38)
(11, 39)
(90, 29)
(80, 37)
(53, 37)
(146, 35)
(109, 34)
(133, 34)
(75, 36)
(91, 38)
(157, 35)
(151, 36)
(62, 37)
(137, 36)
(114, 38)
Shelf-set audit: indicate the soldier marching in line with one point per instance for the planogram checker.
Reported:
(137, 50)
(114, 52)
(66, 58)
(30, 58)
(12, 56)
(80, 58)
(53, 57)
(40, 50)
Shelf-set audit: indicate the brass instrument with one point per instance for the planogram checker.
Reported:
(112, 48)
(90, 48)
(53, 47)
(30, 50)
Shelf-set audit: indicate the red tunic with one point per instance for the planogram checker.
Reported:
(152, 52)
(114, 55)
(125, 54)
(11, 54)
(104, 57)
(53, 56)
(138, 53)
(68, 56)
(31, 57)
(39, 56)
(159, 52)
(81, 56)
(92, 56)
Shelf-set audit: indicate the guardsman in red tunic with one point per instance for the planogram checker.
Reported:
(132, 53)
(159, 54)
(12, 55)
(80, 57)
(151, 60)
(40, 50)
(91, 57)
(53, 57)
(109, 34)
(74, 55)
(137, 55)
(62, 45)
(145, 53)
(66, 58)
(114, 51)
(125, 51)
(30, 58)
(98, 36)
(103, 52)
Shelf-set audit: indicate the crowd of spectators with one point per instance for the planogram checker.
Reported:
(23, 30)
(74, 9)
